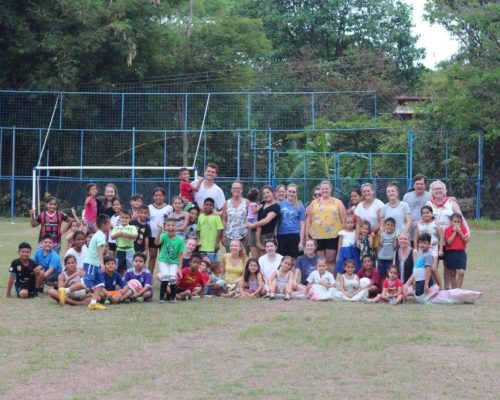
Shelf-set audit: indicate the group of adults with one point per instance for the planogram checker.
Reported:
(284, 217)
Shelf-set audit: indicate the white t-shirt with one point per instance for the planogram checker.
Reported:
(314, 277)
(267, 267)
(115, 221)
(369, 214)
(214, 191)
(348, 238)
(416, 203)
(156, 216)
(399, 214)
(79, 256)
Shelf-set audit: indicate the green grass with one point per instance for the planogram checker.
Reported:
(484, 224)
(233, 348)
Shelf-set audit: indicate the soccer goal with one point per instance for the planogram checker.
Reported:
(127, 156)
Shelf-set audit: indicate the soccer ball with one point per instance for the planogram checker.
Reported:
(134, 285)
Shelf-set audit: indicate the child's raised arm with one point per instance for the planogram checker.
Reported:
(195, 185)
(33, 221)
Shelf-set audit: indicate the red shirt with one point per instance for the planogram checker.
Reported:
(393, 286)
(458, 243)
(186, 190)
(190, 279)
(91, 209)
(374, 276)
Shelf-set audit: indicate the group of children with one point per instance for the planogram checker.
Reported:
(107, 257)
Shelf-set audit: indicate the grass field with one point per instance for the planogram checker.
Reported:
(243, 349)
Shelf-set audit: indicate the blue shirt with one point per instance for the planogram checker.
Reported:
(113, 282)
(290, 218)
(49, 260)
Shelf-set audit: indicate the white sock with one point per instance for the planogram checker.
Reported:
(67, 290)
(93, 302)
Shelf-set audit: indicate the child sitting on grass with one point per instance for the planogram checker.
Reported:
(251, 284)
(191, 277)
(79, 249)
(49, 260)
(25, 274)
(320, 283)
(113, 281)
(368, 271)
(349, 288)
(281, 281)
(392, 291)
(139, 281)
(67, 278)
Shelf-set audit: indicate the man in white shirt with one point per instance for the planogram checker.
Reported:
(208, 188)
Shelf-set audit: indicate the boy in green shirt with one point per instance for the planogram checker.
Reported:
(210, 227)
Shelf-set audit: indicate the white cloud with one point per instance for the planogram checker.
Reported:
(434, 39)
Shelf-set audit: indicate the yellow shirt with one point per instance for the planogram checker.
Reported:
(233, 272)
(325, 219)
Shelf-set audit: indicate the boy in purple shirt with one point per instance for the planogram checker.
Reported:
(139, 281)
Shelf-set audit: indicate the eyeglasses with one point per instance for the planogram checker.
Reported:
(317, 194)
(236, 188)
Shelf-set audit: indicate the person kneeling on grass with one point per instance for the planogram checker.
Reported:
(25, 274)
(191, 277)
(113, 281)
(66, 279)
(139, 281)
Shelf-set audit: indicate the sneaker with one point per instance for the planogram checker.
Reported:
(174, 300)
(161, 301)
(107, 302)
(140, 299)
(189, 297)
(286, 298)
(62, 296)
(126, 301)
(272, 297)
(96, 306)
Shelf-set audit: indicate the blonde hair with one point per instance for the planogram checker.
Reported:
(297, 203)
(431, 186)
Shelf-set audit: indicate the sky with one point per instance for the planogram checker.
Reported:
(434, 39)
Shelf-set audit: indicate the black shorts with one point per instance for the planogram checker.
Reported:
(152, 244)
(456, 259)
(288, 245)
(29, 286)
(327, 244)
(112, 247)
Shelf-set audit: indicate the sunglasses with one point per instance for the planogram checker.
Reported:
(317, 194)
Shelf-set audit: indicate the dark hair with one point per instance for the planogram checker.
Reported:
(137, 196)
(271, 239)
(357, 191)
(140, 254)
(365, 222)
(367, 256)
(68, 257)
(144, 207)
(393, 184)
(159, 189)
(91, 185)
(214, 266)
(50, 198)
(246, 273)
(209, 200)
(425, 237)
(349, 261)
(46, 236)
(101, 220)
(419, 177)
(118, 200)
(77, 233)
(212, 165)
(24, 245)
(108, 259)
(268, 187)
(126, 212)
(394, 267)
(429, 208)
(253, 194)
(170, 219)
(391, 220)
(196, 255)
(194, 207)
(88, 233)
(456, 215)
(181, 170)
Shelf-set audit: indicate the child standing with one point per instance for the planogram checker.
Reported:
(139, 281)
(170, 258)
(180, 217)
(252, 216)
(321, 283)
(115, 221)
(392, 291)
(78, 250)
(251, 284)
(136, 201)
(141, 243)
(93, 266)
(50, 221)
(210, 228)
(191, 230)
(124, 234)
(429, 225)
(421, 278)
(349, 288)
(158, 213)
(388, 244)
(91, 206)
(25, 274)
(281, 281)
(456, 257)
(347, 248)
(369, 271)
(186, 188)
(365, 241)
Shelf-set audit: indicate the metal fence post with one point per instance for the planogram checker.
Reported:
(13, 177)
(122, 111)
(480, 176)
(409, 168)
(133, 161)
(61, 109)
(238, 153)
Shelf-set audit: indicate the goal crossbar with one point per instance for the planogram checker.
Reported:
(110, 167)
